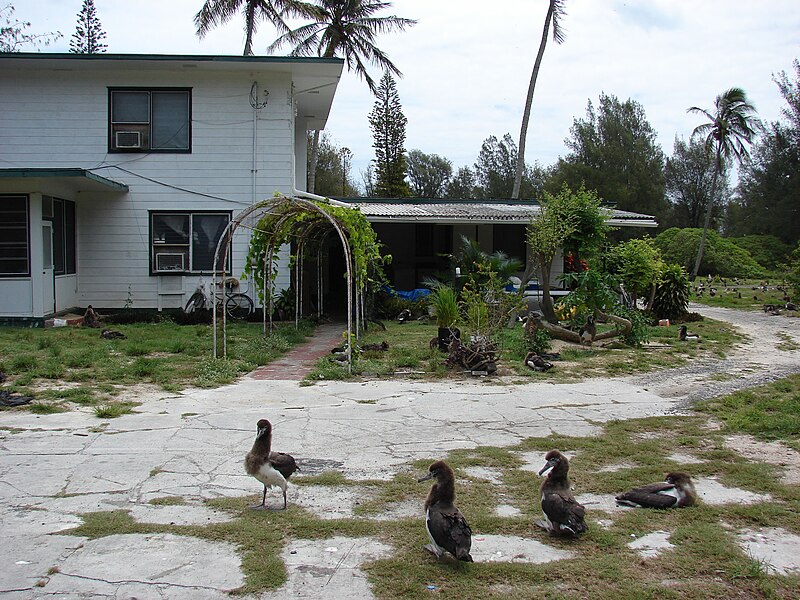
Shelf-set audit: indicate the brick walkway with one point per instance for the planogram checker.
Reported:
(300, 360)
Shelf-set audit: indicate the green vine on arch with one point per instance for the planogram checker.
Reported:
(290, 222)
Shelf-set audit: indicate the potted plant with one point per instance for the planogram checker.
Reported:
(445, 308)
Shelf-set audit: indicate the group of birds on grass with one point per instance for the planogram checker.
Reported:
(446, 526)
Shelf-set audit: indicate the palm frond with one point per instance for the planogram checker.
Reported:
(559, 12)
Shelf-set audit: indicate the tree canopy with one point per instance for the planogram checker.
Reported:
(89, 35)
(614, 151)
(388, 124)
(689, 173)
(428, 174)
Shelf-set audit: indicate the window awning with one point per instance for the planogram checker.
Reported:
(54, 181)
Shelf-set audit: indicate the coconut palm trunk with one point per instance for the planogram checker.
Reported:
(709, 210)
(554, 11)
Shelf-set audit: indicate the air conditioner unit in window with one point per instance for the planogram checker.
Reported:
(128, 139)
(169, 261)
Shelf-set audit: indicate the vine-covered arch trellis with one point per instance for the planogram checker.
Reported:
(307, 225)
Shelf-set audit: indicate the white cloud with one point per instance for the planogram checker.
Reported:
(467, 64)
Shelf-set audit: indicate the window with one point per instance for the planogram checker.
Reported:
(156, 120)
(14, 239)
(185, 242)
(63, 217)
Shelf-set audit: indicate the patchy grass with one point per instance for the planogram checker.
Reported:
(770, 412)
(168, 501)
(787, 343)
(410, 355)
(752, 292)
(173, 357)
(706, 561)
(112, 410)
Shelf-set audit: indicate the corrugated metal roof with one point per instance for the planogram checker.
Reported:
(460, 211)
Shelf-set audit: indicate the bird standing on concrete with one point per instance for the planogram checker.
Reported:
(447, 528)
(676, 491)
(270, 468)
(562, 513)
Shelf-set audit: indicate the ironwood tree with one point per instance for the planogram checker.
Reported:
(89, 35)
(769, 186)
(688, 176)
(614, 151)
(428, 174)
(16, 35)
(388, 124)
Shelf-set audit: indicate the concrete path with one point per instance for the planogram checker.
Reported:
(55, 467)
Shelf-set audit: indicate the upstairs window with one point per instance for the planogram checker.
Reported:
(150, 120)
(185, 242)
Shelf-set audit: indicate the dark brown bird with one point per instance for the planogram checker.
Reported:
(537, 363)
(110, 334)
(676, 491)
(447, 528)
(562, 514)
(90, 318)
(685, 335)
(588, 331)
(270, 468)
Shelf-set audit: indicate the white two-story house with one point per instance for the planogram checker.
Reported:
(118, 173)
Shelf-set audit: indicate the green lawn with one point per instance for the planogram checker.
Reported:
(410, 354)
(75, 365)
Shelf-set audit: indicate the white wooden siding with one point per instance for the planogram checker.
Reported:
(60, 119)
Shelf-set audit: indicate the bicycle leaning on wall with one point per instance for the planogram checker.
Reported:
(238, 305)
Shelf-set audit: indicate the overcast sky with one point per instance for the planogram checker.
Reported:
(467, 63)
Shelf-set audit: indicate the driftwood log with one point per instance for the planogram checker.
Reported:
(536, 321)
(477, 355)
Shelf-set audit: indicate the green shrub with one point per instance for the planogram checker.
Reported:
(720, 256)
(672, 293)
(767, 250)
(539, 341)
(640, 325)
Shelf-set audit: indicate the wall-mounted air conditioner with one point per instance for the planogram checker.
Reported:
(169, 261)
(128, 139)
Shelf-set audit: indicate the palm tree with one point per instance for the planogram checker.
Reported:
(730, 128)
(219, 12)
(344, 28)
(555, 12)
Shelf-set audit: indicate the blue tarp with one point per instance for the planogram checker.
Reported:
(412, 295)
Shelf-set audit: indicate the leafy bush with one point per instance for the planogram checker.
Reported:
(538, 340)
(767, 250)
(672, 293)
(445, 305)
(638, 263)
(640, 325)
(793, 271)
(720, 257)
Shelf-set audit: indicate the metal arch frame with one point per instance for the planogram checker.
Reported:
(223, 251)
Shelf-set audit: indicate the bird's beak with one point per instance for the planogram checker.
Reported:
(425, 478)
(548, 465)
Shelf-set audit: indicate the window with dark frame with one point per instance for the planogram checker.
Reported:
(185, 242)
(14, 237)
(62, 214)
(150, 120)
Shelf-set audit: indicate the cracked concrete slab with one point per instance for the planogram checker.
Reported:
(651, 544)
(328, 569)
(711, 491)
(512, 548)
(773, 453)
(777, 549)
(147, 565)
